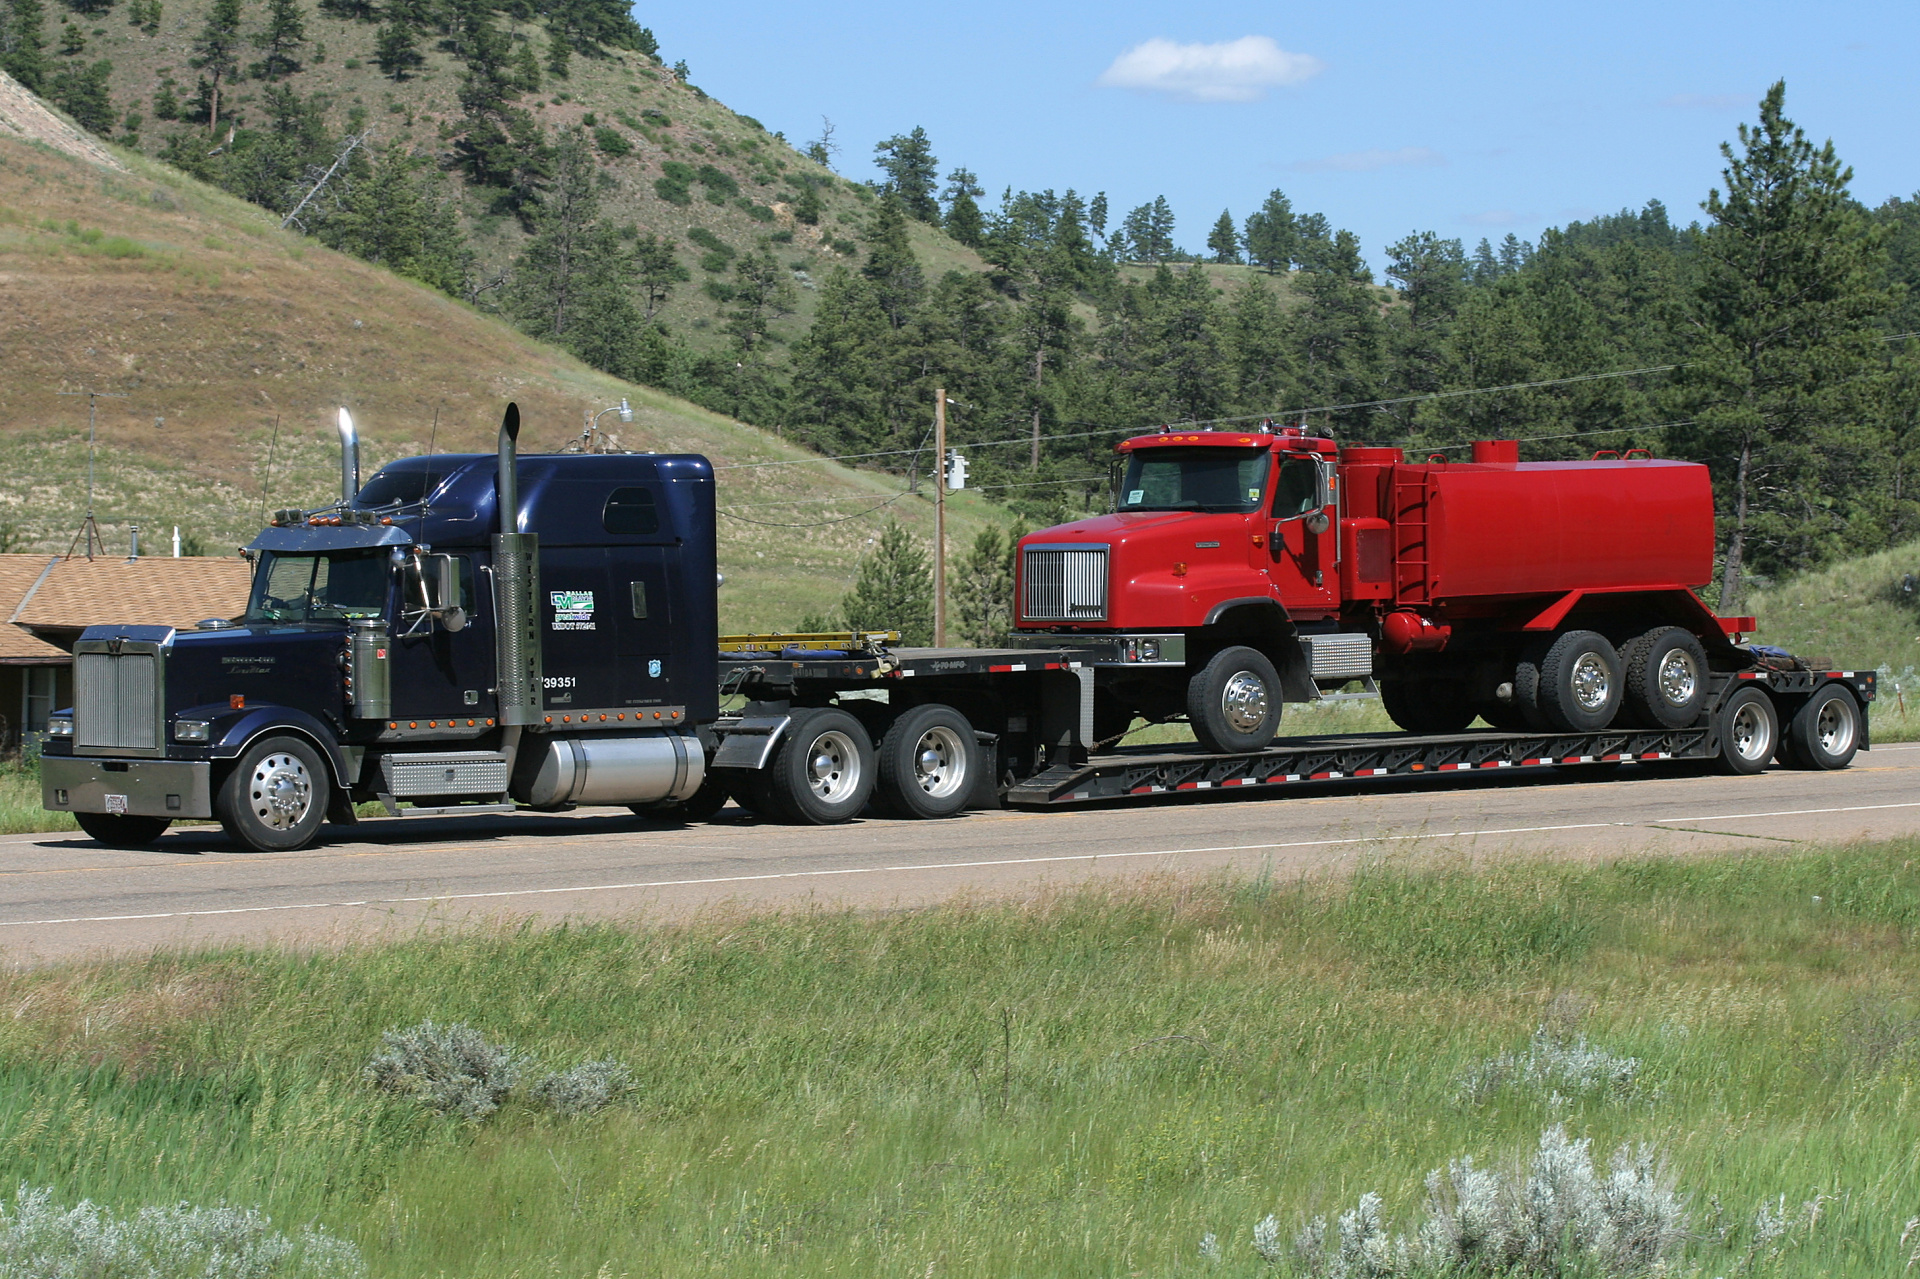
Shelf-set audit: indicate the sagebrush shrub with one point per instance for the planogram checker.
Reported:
(586, 1088)
(453, 1069)
(1552, 1063)
(42, 1240)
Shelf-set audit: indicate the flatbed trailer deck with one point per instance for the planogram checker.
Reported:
(1033, 711)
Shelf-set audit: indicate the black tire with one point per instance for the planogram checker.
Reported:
(1427, 705)
(1579, 683)
(1824, 733)
(118, 831)
(1505, 717)
(1749, 732)
(1233, 702)
(700, 806)
(1526, 686)
(275, 797)
(1666, 672)
(929, 760)
(821, 773)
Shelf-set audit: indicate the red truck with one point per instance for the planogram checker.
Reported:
(1243, 570)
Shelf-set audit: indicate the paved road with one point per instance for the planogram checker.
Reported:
(61, 896)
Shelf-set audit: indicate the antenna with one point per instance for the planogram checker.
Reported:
(89, 527)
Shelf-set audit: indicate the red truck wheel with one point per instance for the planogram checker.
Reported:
(1233, 702)
(1576, 682)
(1666, 678)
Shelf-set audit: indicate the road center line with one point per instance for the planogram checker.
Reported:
(927, 866)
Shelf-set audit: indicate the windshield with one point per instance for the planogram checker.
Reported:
(1199, 479)
(311, 588)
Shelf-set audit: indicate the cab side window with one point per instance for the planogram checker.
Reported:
(630, 510)
(1295, 489)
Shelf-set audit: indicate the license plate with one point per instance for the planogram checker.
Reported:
(117, 804)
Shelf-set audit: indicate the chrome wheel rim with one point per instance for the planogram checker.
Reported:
(1678, 678)
(1592, 681)
(280, 793)
(1244, 702)
(1834, 726)
(1751, 732)
(940, 762)
(833, 766)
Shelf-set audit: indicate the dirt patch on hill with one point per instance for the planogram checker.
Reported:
(24, 115)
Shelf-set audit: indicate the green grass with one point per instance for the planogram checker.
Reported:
(1082, 1085)
(20, 811)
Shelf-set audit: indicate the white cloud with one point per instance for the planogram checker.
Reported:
(1708, 101)
(1233, 71)
(1377, 158)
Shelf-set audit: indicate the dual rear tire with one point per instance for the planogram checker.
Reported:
(827, 767)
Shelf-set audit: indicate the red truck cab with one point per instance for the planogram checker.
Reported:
(1303, 567)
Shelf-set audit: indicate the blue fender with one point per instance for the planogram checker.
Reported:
(230, 733)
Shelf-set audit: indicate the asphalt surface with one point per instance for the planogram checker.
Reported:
(64, 897)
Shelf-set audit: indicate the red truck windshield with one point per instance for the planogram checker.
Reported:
(1199, 479)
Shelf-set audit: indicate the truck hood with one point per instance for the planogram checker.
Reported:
(1110, 528)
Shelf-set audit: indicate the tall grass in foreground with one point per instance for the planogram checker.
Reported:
(1086, 1085)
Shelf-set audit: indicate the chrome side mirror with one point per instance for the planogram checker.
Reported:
(1317, 522)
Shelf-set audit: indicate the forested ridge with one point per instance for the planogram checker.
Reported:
(1764, 335)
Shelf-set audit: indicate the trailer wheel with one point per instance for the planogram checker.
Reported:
(1666, 678)
(1427, 705)
(275, 796)
(821, 773)
(1749, 731)
(119, 831)
(1825, 733)
(929, 759)
(1578, 685)
(1233, 702)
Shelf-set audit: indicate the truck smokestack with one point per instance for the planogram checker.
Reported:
(349, 458)
(516, 590)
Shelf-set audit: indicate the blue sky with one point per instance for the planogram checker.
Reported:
(1466, 120)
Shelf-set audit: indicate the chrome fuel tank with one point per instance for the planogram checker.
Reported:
(651, 768)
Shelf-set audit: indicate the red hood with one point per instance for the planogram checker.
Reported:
(1165, 569)
(1108, 528)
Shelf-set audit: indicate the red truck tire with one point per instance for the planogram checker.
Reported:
(1571, 683)
(1666, 678)
(1233, 702)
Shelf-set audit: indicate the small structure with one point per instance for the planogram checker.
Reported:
(47, 600)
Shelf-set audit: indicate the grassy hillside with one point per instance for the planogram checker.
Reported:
(628, 95)
(1088, 1084)
(200, 310)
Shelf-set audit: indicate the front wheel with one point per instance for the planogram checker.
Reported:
(1825, 733)
(822, 772)
(275, 797)
(117, 831)
(1233, 702)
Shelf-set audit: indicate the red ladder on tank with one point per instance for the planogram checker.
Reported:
(1411, 495)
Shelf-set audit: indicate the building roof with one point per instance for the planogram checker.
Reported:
(55, 593)
(21, 647)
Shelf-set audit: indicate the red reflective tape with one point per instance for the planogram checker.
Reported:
(1143, 790)
(1188, 786)
(999, 669)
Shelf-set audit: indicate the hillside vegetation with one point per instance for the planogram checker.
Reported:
(233, 341)
(1088, 1084)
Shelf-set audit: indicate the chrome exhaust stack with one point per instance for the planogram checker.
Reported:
(516, 593)
(349, 459)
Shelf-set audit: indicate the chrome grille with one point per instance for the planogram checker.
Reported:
(1064, 584)
(116, 700)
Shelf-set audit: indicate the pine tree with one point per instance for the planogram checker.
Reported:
(398, 216)
(553, 269)
(912, 172)
(1097, 215)
(982, 589)
(891, 268)
(1270, 232)
(1791, 284)
(285, 32)
(559, 55)
(963, 220)
(216, 51)
(1148, 231)
(396, 50)
(894, 590)
(82, 94)
(23, 45)
(657, 269)
(807, 207)
(1224, 240)
(526, 68)
(763, 292)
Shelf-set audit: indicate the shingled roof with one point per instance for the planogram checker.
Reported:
(44, 593)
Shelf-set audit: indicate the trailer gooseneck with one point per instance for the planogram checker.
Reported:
(489, 633)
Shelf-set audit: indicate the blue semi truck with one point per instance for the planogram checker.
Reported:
(492, 633)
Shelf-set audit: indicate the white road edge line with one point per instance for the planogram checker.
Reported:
(909, 869)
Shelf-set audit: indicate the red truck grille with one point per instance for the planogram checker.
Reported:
(1064, 584)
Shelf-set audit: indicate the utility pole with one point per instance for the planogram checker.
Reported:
(940, 519)
(89, 527)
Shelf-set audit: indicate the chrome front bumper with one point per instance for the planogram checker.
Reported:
(135, 787)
